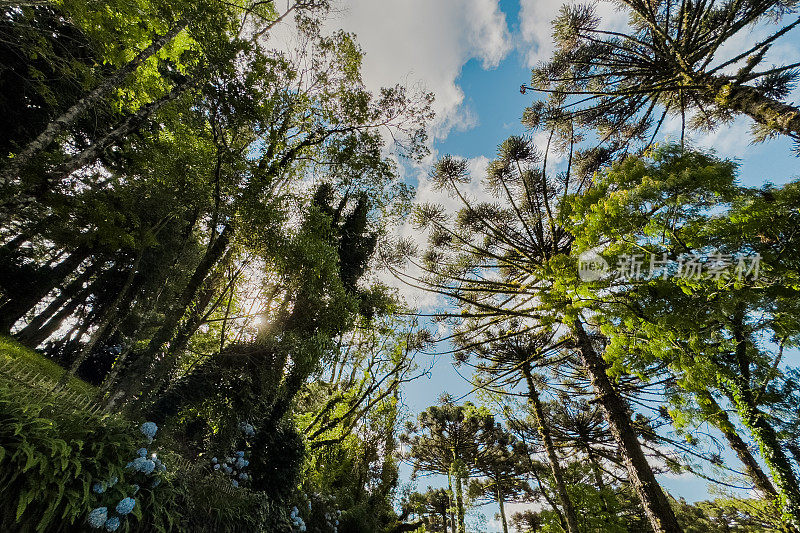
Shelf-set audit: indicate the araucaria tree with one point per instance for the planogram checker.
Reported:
(666, 61)
(514, 258)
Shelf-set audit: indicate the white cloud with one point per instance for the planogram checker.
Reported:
(426, 43)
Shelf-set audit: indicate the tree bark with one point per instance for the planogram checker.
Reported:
(108, 316)
(547, 441)
(750, 101)
(462, 528)
(656, 506)
(30, 332)
(61, 123)
(15, 308)
(502, 506)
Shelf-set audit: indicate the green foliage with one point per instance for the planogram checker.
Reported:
(51, 455)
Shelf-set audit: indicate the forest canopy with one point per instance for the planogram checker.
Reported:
(209, 233)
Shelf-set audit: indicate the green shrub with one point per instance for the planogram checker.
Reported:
(50, 456)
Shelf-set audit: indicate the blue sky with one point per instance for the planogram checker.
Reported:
(474, 54)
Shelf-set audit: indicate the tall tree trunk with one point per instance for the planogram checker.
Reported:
(35, 338)
(462, 527)
(502, 506)
(655, 503)
(750, 101)
(90, 154)
(141, 366)
(196, 318)
(31, 331)
(108, 316)
(547, 441)
(15, 308)
(65, 120)
(771, 452)
(717, 416)
(742, 397)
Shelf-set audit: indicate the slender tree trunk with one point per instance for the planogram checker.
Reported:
(108, 316)
(739, 391)
(776, 460)
(598, 476)
(655, 502)
(128, 125)
(721, 421)
(750, 101)
(61, 123)
(75, 288)
(451, 497)
(35, 338)
(141, 366)
(462, 528)
(15, 308)
(547, 441)
(502, 506)
(197, 316)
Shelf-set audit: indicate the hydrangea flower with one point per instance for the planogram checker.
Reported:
(247, 429)
(240, 454)
(149, 430)
(145, 466)
(112, 524)
(214, 460)
(216, 467)
(126, 505)
(240, 463)
(243, 476)
(99, 488)
(235, 484)
(141, 452)
(98, 516)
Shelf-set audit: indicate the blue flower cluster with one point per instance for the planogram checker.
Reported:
(297, 521)
(98, 518)
(234, 467)
(247, 429)
(146, 465)
(101, 486)
(149, 430)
